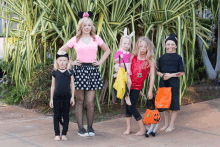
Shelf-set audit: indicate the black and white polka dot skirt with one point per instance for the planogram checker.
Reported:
(87, 77)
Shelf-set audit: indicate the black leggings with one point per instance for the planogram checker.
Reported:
(132, 110)
(61, 107)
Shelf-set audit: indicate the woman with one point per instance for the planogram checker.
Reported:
(86, 69)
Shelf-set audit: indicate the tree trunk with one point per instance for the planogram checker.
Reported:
(209, 69)
(217, 68)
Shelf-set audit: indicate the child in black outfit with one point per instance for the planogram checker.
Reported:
(170, 67)
(60, 99)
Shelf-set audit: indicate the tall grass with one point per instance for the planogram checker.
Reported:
(45, 25)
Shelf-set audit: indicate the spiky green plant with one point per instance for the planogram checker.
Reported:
(45, 25)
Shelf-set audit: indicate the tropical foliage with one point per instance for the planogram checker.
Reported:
(45, 25)
(212, 18)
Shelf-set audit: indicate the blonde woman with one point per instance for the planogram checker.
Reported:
(86, 69)
(142, 62)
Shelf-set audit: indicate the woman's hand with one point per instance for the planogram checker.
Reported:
(72, 101)
(76, 62)
(150, 95)
(96, 63)
(51, 103)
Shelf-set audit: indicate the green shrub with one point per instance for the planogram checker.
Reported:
(39, 88)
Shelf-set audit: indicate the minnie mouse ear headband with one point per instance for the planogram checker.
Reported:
(63, 55)
(172, 37)
(85, 14)
(126, 33)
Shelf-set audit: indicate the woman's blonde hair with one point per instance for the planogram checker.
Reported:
(150, 49)
(56, 66)
(81, 23)
(120, 47)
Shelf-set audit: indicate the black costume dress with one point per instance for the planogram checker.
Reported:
(61, 100)
(171, 63)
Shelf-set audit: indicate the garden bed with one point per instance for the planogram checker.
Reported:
(193, 94)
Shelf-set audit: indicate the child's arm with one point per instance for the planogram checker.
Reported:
(171, 75)
(64, 48)
(131, 58)
(160, 74)
(178, 74)
(181, 70)
(159, 68)
(117, 54)
(117, 59)
(72, 101)
(142, 94)
(52, 92)
(152, 78)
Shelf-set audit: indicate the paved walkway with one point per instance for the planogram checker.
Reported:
(197, 125)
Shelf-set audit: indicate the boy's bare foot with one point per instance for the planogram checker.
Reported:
(127, 100)
(141, 132)
(169, 129)
(57, 138)
(127, 132)
(164, 128)
(64, 137)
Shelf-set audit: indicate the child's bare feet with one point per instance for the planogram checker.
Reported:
(57, 138)
(127, 132)
(63, 137)
(127, 100)
(141, 132)
(164, 128)
(169, 129)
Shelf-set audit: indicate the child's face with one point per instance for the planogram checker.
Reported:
(170, 46)
(62, 62)
(126, 44)
(143, 48)
(87, 27)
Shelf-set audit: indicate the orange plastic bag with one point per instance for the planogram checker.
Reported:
(163, 98)
(152, 116)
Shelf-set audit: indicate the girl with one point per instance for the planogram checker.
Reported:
(124, 46)
(60, 98)
(170, 67)
(86, 69)
(142, 62)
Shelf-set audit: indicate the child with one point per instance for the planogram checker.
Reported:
(170, 67)
(61, 99)
(142, 63)
(124, 46)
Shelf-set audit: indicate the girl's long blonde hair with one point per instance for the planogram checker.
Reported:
(150, 50)
(81, 23)
(120, 47)
(55, 61)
